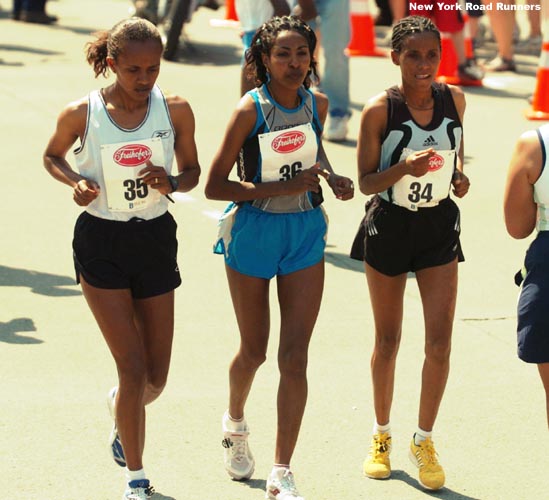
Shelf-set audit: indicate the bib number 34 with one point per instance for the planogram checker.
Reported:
(418, 192)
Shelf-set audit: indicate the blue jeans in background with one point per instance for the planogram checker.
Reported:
(335, 31)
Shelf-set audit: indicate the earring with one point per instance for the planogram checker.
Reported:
(268, 77)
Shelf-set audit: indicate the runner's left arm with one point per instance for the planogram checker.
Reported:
(342, 187)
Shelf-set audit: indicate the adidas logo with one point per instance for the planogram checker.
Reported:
(430, 141)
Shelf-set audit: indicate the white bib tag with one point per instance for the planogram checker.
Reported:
(426, 191)
(122, 162)
(285, 153)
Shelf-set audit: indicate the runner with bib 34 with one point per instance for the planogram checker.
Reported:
(410, 155)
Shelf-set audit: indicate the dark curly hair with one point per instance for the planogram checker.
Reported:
(111, 43)
(409, 26)
(264, 40)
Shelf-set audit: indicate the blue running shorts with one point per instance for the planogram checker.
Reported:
(533, 304)
(265, 244)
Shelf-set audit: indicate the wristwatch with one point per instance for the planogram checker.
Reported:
(174, 182)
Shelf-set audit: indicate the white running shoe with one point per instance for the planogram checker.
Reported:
(281, 485)
(115, 445)
(337, 128)
(239, 462)
(139, 489)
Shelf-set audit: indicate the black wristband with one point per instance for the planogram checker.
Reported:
(174, 182)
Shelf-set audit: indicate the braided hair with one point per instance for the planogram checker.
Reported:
(264, 40)
(111, 43)
(410, 26)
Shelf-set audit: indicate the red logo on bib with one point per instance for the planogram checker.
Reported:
(436, 162)
(288, 142)
(132, 155)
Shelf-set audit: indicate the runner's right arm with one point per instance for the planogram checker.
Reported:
(71, 125)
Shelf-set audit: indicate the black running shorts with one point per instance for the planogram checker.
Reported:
(140, 255)
(395, 240)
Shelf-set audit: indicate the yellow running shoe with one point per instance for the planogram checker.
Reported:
(377, 464)
(424, 456)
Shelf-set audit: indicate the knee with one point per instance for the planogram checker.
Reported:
(132, 372)
(438, 350)
(293, 363)
(251, 358)
(156, 382)
(386, 346)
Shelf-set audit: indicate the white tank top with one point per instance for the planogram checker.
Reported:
(102, 130)
(541, 186)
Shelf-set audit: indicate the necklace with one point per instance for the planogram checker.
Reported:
(273, 95)
(419, 108)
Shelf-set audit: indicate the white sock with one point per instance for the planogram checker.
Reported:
(421, 435)
(135, 475)
(233, 424)
(279, 468)
(382, 429)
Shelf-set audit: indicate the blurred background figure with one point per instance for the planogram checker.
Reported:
(252, 14)
(332, 19)
(32, 11)
(502, 24)
(448, 19)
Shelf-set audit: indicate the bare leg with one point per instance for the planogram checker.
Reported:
(386, 296)
(398, 9)
(544, 373)
(502, 23)
(250, 298)
(299, 296)
(534, 19)
(458, 39)
(438, 289)
(139, 336)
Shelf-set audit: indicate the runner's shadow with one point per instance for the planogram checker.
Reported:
(159, 496)
(9, 331)
(444, 493)
(256, 484)
(344, 261)
(38, 282)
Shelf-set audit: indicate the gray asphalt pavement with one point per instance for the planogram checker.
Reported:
(55, 369)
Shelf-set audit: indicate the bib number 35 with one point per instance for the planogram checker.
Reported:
(418, 192)
(135, 188)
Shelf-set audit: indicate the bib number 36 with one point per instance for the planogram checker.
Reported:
(420, 193)
(289, 171)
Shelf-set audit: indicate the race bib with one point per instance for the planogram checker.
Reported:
(426, 191)
(122, 162)
(285, 153)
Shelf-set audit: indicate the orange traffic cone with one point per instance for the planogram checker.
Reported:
(540, 102)
(448, 69)
(469, 49)
(363, 41)
(230, 11)
(231, 17)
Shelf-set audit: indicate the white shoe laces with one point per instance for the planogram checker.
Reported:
(288, 483)
(237, 444)
(286, 486)
(138, 494)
